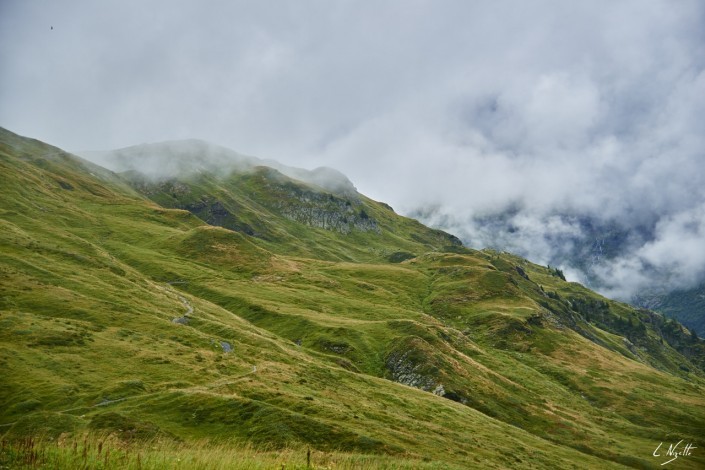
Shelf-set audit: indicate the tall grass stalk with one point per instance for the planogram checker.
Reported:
(109, 452)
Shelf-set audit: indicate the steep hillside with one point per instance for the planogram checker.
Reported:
(254, 308)
(592, 248)
(287, 210)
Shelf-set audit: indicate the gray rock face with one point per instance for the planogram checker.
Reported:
(327, 211)
(439, 390)
(405, 370)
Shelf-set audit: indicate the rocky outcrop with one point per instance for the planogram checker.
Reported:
(326, 211)
(411, 363)
(404, 370)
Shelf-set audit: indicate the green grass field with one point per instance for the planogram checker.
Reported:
(135, 334)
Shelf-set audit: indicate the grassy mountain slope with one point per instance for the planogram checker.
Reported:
(254, 308)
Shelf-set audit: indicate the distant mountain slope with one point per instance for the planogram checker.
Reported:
(603, 254)
(253, 307)
(687, 306)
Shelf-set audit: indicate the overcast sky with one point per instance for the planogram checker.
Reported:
(474, 106)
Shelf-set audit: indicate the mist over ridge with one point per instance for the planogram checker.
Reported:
(183, 158)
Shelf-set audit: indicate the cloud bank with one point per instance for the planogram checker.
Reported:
(549, 111)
